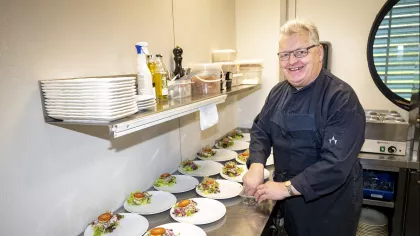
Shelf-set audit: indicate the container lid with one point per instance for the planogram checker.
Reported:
(224, 51)
(205, 66)
(249, 62)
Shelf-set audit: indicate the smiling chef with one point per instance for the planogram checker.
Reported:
(315, 124)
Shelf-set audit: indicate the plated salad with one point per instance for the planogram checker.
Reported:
(106, 223)
(236, 134)
(165, 180)
(226, 142)
(209, 186)
(244, 156)
(189, 166)
(206, 152)
(139, 198)
(232, 170)
(161, 232)
(185, 208)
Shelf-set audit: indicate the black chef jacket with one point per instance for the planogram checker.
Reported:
(316, 133)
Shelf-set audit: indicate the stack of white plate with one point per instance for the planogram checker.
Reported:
(372, 223)
(90, 99)
(145, 102)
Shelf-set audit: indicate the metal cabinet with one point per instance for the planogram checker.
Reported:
(412, 209)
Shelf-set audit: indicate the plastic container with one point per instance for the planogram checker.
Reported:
(251, 70)
(224, 55)
(237, 79)
(206, 78)
(378, 185)
(179, 89)
(144, 77)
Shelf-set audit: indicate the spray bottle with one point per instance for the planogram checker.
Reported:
(144, 77)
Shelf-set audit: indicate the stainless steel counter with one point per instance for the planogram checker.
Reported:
(241, 219)
(388, 162)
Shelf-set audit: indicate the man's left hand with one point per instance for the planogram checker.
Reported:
(271, 191)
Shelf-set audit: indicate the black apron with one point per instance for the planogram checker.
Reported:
(297, 143)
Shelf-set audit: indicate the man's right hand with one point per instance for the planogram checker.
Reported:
(253, 178)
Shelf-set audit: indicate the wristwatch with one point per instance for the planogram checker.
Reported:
(288, 185)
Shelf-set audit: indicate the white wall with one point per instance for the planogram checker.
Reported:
(346, 24)
(257, 34)
(55, 180)
(211, 25)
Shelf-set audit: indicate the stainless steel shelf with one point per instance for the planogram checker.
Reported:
(371, 202)
(164, 111)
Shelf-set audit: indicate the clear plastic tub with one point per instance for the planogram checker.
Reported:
(179, 89)
(224, 55)
(206, 78)
(252, 72)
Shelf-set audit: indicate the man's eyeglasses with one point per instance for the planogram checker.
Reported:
(298, 53)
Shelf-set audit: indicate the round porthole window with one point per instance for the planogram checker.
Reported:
(393, 51)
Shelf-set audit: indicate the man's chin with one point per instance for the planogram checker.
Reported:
(296, 83)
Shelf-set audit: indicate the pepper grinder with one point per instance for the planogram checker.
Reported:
(178, 62)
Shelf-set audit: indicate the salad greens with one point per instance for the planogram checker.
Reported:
(231, 169)
(236, 134)
(165, 181)
(187, 210)
(226, 142)
(101, 227)
(189, 166)
(209, 186)
(244, 156)
(206, 152)
(139, 198)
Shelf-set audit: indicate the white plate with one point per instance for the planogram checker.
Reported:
(210, 210)
(146, 107)
(141, 98)
(131, 224)
(160, 202)
(88, 91)
(146, 102)
(207, 168)
(239, 178)
(90, 112)
(99, 102)
(184, 183)
(87, 80)
(247, 137)
(96, 96)
(85, 111)
(270, 160)
(237, 146)
(228, 189)
(221, 155)
(71, 87)
(93, 119)
(184, 229)
(101, 108)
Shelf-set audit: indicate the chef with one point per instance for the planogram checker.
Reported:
(315, 124)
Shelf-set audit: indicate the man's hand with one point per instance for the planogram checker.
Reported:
(271, 191)
(253, 178)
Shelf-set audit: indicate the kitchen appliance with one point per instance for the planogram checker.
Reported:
(385, 133)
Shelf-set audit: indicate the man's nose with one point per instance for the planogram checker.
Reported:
(292, 59)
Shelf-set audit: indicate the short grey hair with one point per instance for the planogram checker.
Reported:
(298, 26)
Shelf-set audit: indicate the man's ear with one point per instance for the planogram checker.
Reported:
(321, 52)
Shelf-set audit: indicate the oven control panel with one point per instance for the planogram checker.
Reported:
(384, 147)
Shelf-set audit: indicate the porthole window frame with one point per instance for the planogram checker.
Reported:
(387, 92)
